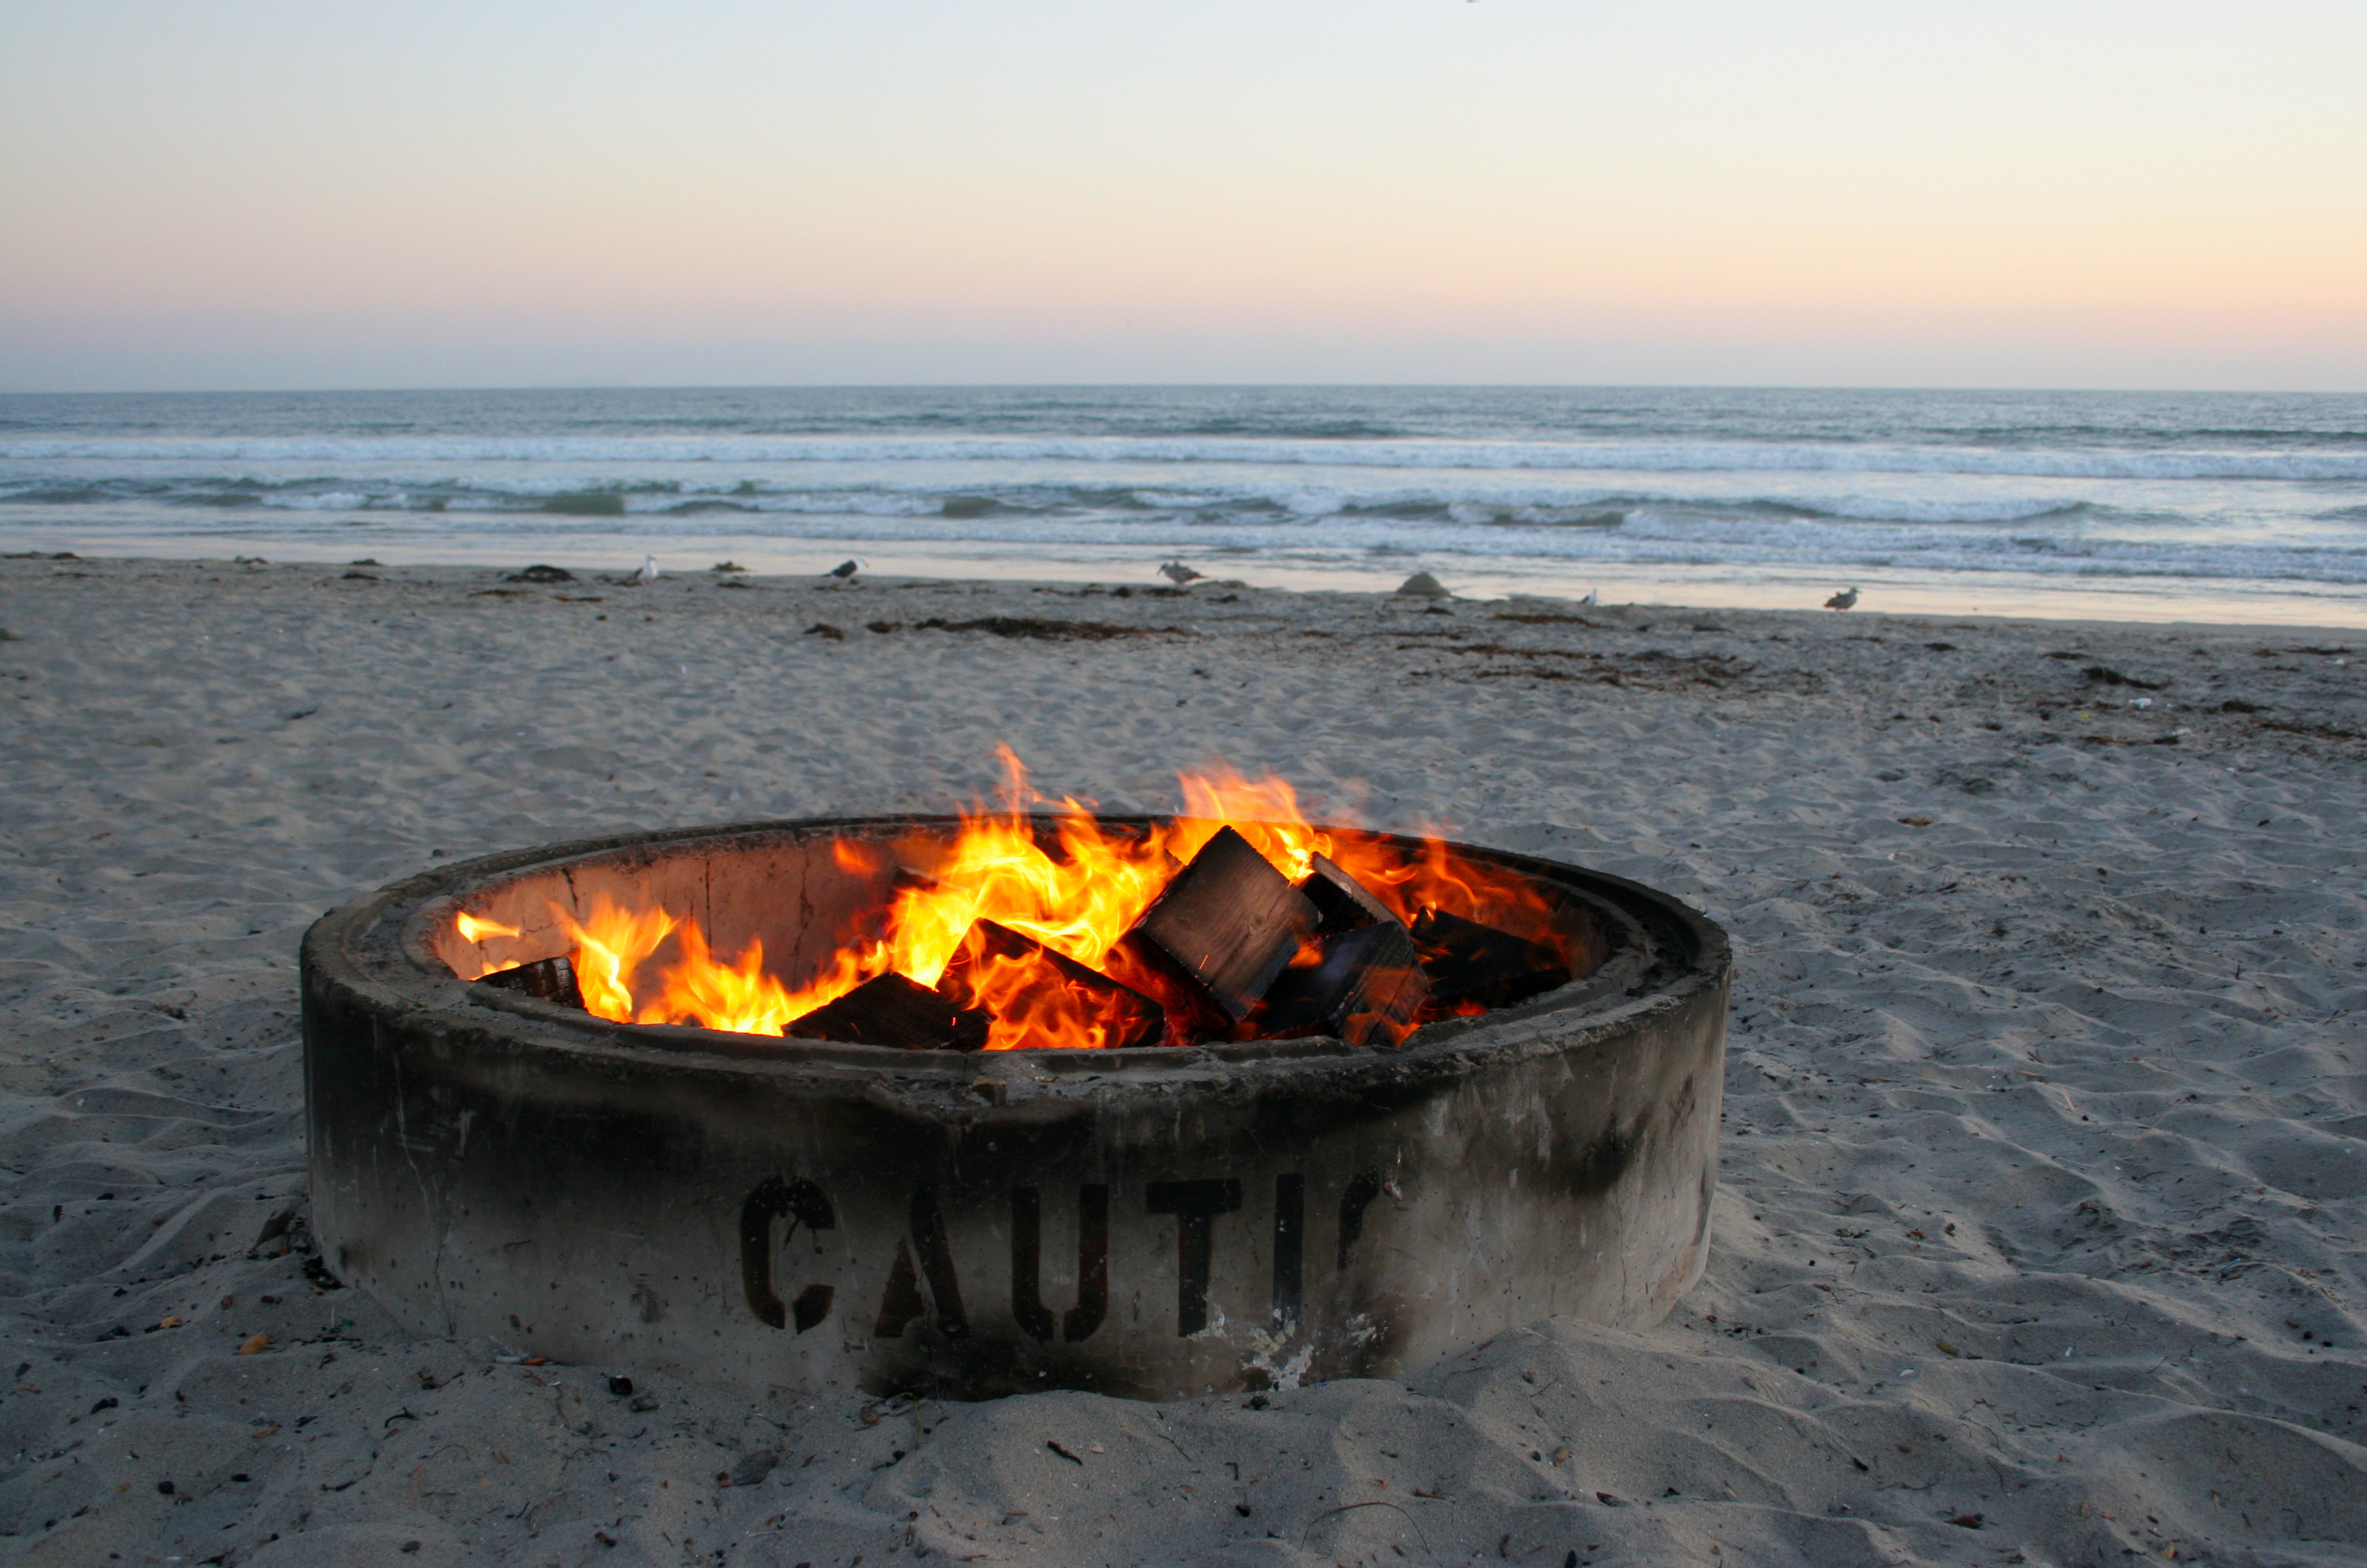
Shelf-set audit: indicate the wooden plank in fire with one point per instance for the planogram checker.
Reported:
(894, 1011)
(1469, 961)
(552, 979)
(1342, 903)
(1367, 988)
(1223, 929)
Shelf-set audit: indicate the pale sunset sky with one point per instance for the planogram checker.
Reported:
(2085, 193)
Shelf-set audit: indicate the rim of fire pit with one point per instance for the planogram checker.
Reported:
(379, 953)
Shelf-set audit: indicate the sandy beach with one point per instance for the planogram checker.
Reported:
(2043, 1195)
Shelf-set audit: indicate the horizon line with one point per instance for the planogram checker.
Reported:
(956, 385)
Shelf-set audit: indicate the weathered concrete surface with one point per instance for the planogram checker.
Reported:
(1151, 1223)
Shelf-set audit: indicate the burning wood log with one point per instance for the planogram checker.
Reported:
(894, 1011)
(1031, 992)
(1132, 930)
(1468, 963)
(1223, 929)
(552, 979)
(1367, 989)
(1341, 902)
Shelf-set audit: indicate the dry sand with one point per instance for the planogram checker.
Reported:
(2044, 1183)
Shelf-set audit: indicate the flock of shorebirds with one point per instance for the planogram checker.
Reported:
(1178, 573)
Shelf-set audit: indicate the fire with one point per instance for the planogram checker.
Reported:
(1264, 811)
(1076, 903)
(476, 928)
(609, 951)
(1032, 1002)
(1076, 897)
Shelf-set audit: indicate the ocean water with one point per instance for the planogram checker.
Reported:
(2220, 506)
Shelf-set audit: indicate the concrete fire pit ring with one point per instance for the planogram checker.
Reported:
(1154, 1223)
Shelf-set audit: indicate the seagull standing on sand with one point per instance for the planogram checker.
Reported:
(649, 572)
(845, 570)
(1846, 598)
(1176, 572)
(1591, 596)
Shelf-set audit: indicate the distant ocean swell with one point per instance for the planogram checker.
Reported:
(2209, 498)
(200, 456)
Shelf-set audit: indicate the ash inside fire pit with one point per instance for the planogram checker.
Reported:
(1154, 1107)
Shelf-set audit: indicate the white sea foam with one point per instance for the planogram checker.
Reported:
(2038, 485)
(195, 456)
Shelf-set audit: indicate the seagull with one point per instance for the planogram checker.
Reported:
(1176, 572)
(649, 572)
(1591, 596)
(1843, 600)
(845, 570)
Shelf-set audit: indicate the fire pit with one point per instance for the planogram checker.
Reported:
(854, 1102)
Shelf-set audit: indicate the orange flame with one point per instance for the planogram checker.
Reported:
(1076, 897)
(1264, 811)
(1076, 903)
(476, 927)
(609, 951)
(1032, 1003)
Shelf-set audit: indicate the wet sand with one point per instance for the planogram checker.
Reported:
(2043, 1193)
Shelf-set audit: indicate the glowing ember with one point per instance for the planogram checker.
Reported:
(1070, 985)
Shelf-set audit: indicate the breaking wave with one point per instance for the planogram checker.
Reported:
(199, 455)
(1581, 506)
(2266, 488)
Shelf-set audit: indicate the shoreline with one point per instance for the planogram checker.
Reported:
(2043, 1198)
(791, 561)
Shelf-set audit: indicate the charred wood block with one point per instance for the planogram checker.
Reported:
(1467, 962)
(1080, 997)
(893, 1011)
(1342, 903)
(1224, 927)
(552, 979)
(1366, 989)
